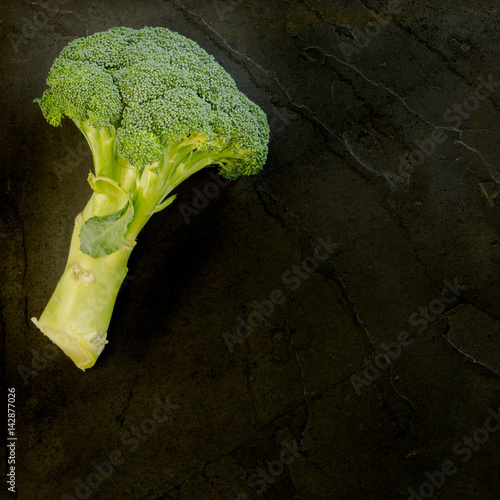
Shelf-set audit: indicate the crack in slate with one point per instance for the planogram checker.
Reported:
(402, 227)
(121, 417)
(396, 390)
(481, 157)
(289, 412)
(310, 114)
(479, 308)
(249, 390)
(27, 319)
(387, 406)
(387, 89)
(367, 167)
(304, 389)
(407, 106)
(315, 11)
(306, 111)
(448, 62)
(270, 325)
(336, 273)
(288, 211)
(463, 353)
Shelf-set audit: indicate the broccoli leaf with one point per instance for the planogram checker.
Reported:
(101, 236)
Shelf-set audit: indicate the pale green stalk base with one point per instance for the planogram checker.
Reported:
(78, 314)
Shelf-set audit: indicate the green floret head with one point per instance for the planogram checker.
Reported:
(107, 49)
(82, 91)
(139, 147)
(157, 88)
(249, 138)
(175, 117)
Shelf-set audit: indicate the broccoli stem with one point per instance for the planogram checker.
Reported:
(77, 316)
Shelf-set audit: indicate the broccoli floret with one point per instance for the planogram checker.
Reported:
(155, 108)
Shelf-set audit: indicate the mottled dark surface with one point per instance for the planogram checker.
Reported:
(350, 88)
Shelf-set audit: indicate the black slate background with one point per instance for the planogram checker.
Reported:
(349, 89)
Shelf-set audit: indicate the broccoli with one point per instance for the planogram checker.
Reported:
(155, 108)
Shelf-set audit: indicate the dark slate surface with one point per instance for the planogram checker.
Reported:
(353, 91)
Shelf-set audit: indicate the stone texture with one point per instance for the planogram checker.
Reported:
(350, 88)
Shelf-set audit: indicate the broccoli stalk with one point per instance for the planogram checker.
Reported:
(155, 109)
(77, 315)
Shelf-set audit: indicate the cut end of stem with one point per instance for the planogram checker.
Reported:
(84, 350)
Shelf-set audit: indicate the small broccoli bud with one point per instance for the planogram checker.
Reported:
(82, 91)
